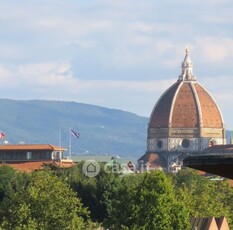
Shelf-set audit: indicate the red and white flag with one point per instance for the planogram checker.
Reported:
(2, 135)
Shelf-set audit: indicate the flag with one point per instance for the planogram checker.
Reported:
(2, 135)
(74, 133)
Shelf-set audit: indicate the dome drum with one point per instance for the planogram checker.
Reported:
(182, 144)
(187, 132)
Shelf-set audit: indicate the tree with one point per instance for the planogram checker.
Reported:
(203, 197)
(45, 203)
(6, 175)
(146, 202)
(91, 190)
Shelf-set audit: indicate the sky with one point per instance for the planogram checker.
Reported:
(120, 54)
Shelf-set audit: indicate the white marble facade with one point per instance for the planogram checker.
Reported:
(181, 144)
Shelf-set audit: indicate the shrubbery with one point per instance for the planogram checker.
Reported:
(57, 198)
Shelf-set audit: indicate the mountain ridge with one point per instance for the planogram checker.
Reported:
(102, 130)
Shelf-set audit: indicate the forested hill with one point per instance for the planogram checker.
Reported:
(102, 130)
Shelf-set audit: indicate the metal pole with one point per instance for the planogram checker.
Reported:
(60, 153)
(70, 144)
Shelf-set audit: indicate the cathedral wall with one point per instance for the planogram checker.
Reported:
(184, 132)
(212, 132)
(181, 144)
(157, 132)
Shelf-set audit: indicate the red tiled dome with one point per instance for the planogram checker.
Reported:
(186, 104)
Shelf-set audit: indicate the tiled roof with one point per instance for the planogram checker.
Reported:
(35, 165)
(31, 147)
(28, 166)
(211, 116)
(186, 104)
(162, 110)
(153, 160)
(185, 110)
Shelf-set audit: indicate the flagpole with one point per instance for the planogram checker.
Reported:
(70, 144)
(60, 143)
(74, 133)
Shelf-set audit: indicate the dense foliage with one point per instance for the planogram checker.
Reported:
(204, 197)
(146, 202)
(57, 198)
(41, 201)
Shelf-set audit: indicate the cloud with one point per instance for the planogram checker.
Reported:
(136, 86)
(6, 77)
(30, 79)
(55, 81)
(215, 49)
(112, 53)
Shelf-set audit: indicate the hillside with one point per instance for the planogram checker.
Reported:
(102, 130)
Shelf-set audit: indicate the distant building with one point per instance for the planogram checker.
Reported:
(98, 158)
(28, 157)
(185, 121)
(117, 164)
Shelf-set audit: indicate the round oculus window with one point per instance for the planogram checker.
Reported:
(185, 143)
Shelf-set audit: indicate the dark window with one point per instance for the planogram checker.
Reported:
(48, 155)
(159, 144)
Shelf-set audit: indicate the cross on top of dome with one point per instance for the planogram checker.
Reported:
(187, 68)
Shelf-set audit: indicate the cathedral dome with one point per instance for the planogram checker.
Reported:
(186, 104)
(185, 121)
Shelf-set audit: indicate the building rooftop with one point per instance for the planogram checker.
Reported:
(98, 158)
(36, 165)
(31, 147)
